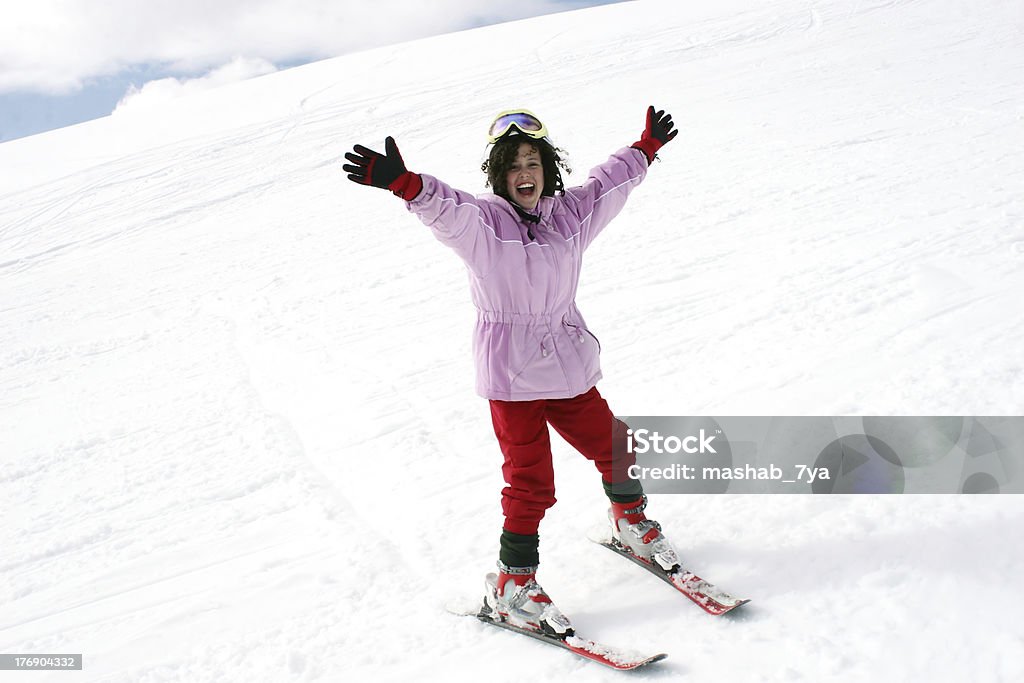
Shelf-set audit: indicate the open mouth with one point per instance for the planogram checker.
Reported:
(526, 189)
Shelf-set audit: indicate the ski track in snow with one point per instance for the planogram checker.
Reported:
(237, 426)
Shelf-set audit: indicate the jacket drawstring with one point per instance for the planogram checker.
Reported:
(579, 333)
(570, 328)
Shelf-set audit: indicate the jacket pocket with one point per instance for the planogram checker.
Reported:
(539, 371)
(576, 327)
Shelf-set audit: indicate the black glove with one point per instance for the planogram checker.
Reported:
(386, 171)
(659, 131)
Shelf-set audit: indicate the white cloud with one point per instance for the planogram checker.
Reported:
(56, 46)
(155, 93)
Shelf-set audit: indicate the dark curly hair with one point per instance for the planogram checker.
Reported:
(503, 155)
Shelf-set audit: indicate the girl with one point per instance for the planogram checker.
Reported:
(536, 360)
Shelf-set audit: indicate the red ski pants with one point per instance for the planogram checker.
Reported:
(584, 421)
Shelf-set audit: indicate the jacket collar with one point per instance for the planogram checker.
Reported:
(543, 209)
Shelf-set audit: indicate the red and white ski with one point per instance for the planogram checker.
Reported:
(705, 594)
(615, 658)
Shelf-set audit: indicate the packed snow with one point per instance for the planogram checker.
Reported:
(238, 430)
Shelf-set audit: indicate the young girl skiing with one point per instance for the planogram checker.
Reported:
(536, 361)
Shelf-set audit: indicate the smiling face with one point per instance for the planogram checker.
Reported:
(525, 179)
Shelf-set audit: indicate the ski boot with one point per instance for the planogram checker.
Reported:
(642, 536)
(514, 596)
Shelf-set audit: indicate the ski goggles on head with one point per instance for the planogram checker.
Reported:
(520, 119)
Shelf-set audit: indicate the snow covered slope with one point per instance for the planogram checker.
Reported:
(238, 435)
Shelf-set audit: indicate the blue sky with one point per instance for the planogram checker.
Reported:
(64, 61)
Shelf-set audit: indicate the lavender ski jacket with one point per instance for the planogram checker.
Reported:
(530, 341)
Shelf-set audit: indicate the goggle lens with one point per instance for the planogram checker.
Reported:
(526, 122)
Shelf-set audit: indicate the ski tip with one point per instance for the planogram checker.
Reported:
(739, 603)
(630, 666)
(653, 659)
(624, 660)
(615, 658)
(719, 609)
(643, 662)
